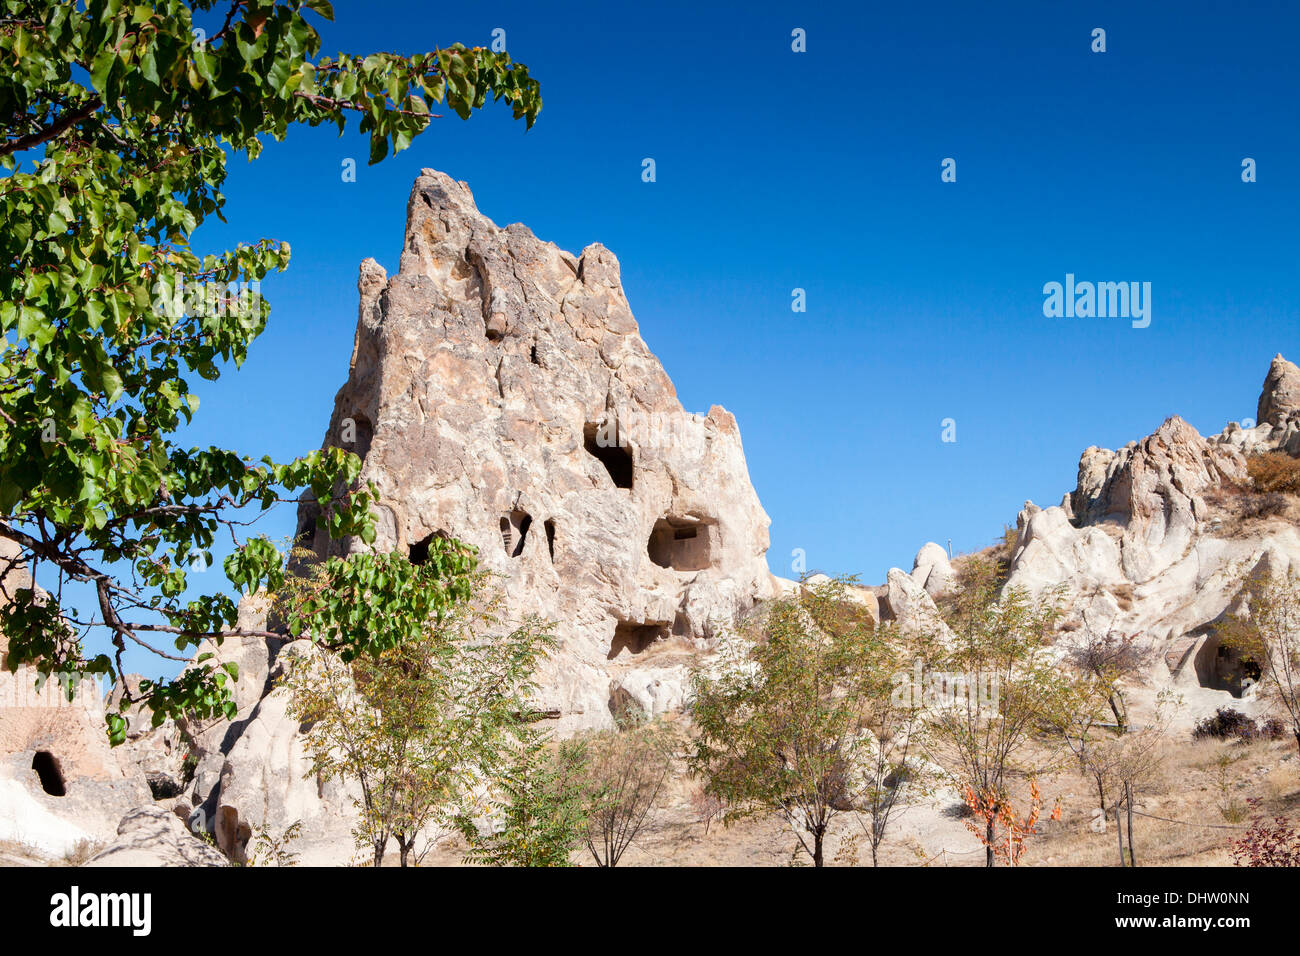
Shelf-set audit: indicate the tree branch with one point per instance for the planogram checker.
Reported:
(55, 129)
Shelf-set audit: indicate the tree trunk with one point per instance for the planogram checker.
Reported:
(1128, 800)
(404, 850)
(988, 844)
(817, 846)
(1119, 832)
(379, 851)
(1120, 720)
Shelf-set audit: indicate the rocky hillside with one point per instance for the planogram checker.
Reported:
(1155, 542)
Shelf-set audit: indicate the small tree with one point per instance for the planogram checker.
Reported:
(893, 712)
(1119, 767)
(1111, 660)
(541, 811)
(1270, 637)
(782, 725)
(997, 643)
(272, 850)
(624, 777)
(417, 725)
(994, 813)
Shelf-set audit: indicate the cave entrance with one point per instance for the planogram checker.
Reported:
(616, 458)
(682, 544)
(419, 552)
(514, 532)
(356, 434)
(1221, 666)
(50, 773)
(635, 638)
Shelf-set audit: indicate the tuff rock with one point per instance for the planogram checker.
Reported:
(61, 785)
(500, 392)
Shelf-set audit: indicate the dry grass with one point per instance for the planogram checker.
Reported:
(81, 853)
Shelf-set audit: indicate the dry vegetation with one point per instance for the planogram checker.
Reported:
(1273, 491)
(1275, 471)
(1198, 781)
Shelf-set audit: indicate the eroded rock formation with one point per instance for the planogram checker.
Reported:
(500, 392)
(61, 786)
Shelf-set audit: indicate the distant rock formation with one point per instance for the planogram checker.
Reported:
(1279, 403)
(1154, 489)
(1152, 543)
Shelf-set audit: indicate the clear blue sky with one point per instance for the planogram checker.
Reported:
(821, 170)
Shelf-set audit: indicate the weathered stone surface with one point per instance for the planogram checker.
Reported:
(1154, 489)
(500, 392)
(912, 608)
(266, 782)
(153, 836)
(932, 570)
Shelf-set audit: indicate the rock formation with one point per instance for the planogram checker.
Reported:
(61, 785)
(1279, 403)
(153, 836)
(1149, 544)
(499, 391)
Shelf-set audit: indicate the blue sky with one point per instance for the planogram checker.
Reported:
(821, 170)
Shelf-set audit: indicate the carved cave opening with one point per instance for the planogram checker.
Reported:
(616, 458)
(636, 638)
(514, 532)
(50, 773)
(1220, 666)
(419, 553)
(682, 544)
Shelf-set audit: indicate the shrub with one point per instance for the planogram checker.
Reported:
(1275, 471)
(1267, 505)
(1268, 842)
(1227, 723)
(1272, 729)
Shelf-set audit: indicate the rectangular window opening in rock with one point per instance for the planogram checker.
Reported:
(682, 544)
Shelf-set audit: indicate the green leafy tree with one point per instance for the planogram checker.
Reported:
(539, 815)
(436, 707)
(116, 123)
(783, 719)
(1014, 690)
